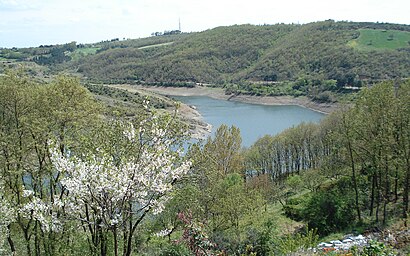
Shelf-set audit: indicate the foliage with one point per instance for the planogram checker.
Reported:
(195, 238)
(174, 250)
(298, 242)
(124, 97)
(374, 249)
(244, 54)
(7, 216)
(259, 241)
(69, 171)
(380, 39)
(224, 197)
(314, 60)
(330, 210)
(80, 179)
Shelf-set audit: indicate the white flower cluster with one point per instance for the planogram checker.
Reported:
(143, 180)
(44, 212)
(163, 232)
(7, 216)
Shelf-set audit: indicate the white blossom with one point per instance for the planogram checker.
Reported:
(144, 180)
(7, 216)
(163, 232)
(43, 212)
(27, 192)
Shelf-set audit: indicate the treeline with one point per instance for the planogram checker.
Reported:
(355, 163)
(129, 101)
(349, 172)
(43, 55)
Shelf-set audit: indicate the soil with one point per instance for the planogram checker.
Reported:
(219, 93)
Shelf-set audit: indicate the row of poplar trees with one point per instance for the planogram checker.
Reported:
(368, 142)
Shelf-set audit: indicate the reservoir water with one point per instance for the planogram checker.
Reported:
(253, 120)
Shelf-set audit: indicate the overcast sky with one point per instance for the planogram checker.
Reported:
(34, 22)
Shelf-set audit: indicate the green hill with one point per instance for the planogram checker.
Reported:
(321, 51)
(270, 59)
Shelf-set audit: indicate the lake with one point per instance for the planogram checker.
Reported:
(253, 120)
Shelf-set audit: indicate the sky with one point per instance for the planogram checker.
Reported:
(25, 23)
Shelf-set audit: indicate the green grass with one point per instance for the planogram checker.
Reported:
(89, 50)
(380, 40)
(81, 52)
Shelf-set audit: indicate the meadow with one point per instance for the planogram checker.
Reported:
(380, 40)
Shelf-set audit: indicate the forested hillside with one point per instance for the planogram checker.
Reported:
(284, 59)
(246, 53)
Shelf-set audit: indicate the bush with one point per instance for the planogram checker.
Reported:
(330, 210)
(298, 242)
(174, 249)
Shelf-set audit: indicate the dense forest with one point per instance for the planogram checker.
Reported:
(315, 51)
(83, 177)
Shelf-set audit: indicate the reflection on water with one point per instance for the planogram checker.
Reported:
(253, 120)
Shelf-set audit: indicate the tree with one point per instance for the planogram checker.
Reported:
(64, 165)
(115, 191)
(224, 151)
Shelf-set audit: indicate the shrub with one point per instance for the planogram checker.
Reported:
(330, 210)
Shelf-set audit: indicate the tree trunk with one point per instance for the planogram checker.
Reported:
(386, 191)
(10, 241)
(115, 240)
(372, 196)
(378, 195)
(396, 184)
(356, 190)
(406, 192)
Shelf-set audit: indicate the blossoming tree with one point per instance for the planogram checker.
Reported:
(114, 189)
(72, 174)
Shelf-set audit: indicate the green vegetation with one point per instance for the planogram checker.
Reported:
(88, 50)
(102, 173)
(249, 55)
(76, 174)
(380, 40)
(318, 60)
(83, 51)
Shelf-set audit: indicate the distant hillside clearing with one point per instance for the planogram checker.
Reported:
(380, 40)
(155, 45)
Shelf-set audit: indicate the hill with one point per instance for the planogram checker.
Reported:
(272, 60)
(280, 52)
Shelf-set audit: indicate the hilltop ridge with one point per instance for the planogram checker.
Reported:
(273, 60)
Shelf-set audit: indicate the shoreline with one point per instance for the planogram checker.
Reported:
(219, 93)
(199, 128)
(189, 115)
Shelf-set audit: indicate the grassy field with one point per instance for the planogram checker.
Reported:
(380, 40)
(89, 50)
(80, 52)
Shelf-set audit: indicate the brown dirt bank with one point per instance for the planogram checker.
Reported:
(219, 93)
(188, 114)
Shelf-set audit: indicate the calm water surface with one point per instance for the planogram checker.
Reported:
(253, 120)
